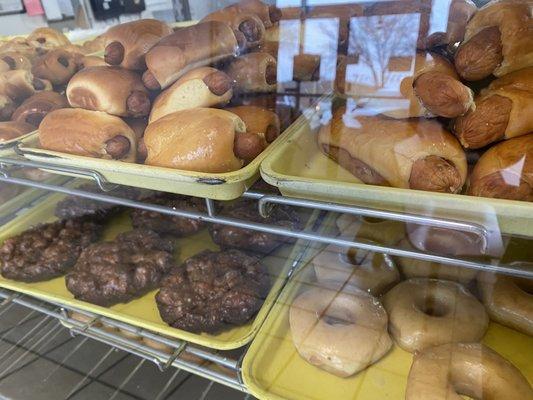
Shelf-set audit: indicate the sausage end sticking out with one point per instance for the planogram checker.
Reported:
(247, 146)
(271, 74)
(35, 118)
(63, 61)
(443, 95)
(435, 174)
(142, 151)
(486, 124)
(272, 132)
(495, 185)
(138, 103)
(274, 13)
(149, 81)
(38, 84)
(114, 53)
(241, 40)
(250, 30)
(478, 57)
(117, 147)
(10, 62)
(218, 83)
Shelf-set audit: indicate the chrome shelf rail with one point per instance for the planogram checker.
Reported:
(207, 363)
(264, 200)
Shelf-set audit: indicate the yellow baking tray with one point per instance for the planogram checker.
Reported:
(272, 368)
(7, 147)
(299, 169)
(218, 186)
(142, 312)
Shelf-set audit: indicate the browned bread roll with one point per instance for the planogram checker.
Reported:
(269, 14)
(188, 48)
(259, 120)
(88, 133)
(13, 129)
(248, 28)
(16, 60)
(114, 90)
(34, 108)
(200, 87)
(503, 110)
(505, 171)
(20, 84)
(414, 153)
(305, 67)
(47, 38)
(454, 19)
(7, 107)
(91, 61)
(201, 139)
(498, 40)
(286, 113)
(127, 44)
(94, 45)
(254, 73)
(138, 125)
(57, 66)
(20, 45)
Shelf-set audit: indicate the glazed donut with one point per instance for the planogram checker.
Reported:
(338, 266)
(508, 300)
(339, 332)
(378, 230)
(412, 268)
(430, 312)
(454, 370)
(57, 66)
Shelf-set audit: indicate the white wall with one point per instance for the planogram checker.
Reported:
(19, 24)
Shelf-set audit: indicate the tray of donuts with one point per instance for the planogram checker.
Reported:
(33, 73)
(351, 324)
(447, 134)
(172, 109)
(177, 277)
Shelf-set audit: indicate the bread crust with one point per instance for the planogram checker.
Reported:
(201, 139)
(251, 73)
(390, 147)
(13, 129)
(85, 133)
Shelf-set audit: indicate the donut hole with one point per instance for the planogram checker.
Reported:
(431, 306)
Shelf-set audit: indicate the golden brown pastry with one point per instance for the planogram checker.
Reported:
(254, 73)
(20, 84)
(127, 44)
(20, 45)
(114, 90)
(503, 110)
(91, 61)
(57, 66)
(200, 87)
(248, 27)
(416, 153)
(13, 129)
(505, 171)
(269, 14)
(286, 113)
(7, 107)
(95, 45)
(16, 60)
(34, 108)
(305, 67)
(88, 133)
(201, 139)
(138, 125)
(47, 38)
(188, 48)
(498, 40)
(259, 120)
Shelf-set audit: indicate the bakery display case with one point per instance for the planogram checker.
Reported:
(294, 200)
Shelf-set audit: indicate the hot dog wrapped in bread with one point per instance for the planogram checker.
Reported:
(57, 66)
(13, 129)
(503, 110)
(201, 87)
(91, 61)
(254, 73)
(186, 49)
(88, 133)
(34, 108)
(505, 171)
(248, 27)
(95, 45)
(114, 90)
(128, 43)
(498, 40)
(201, 139)
(7, 107)
(19, 45)
(47, 38)
(415, 153)
(16, 60)
(268, 14)
(20, 84)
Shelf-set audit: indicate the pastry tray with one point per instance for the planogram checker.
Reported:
(299, 169)
(142, 312)
(7, 147)
(273, 369)
(218, 186)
